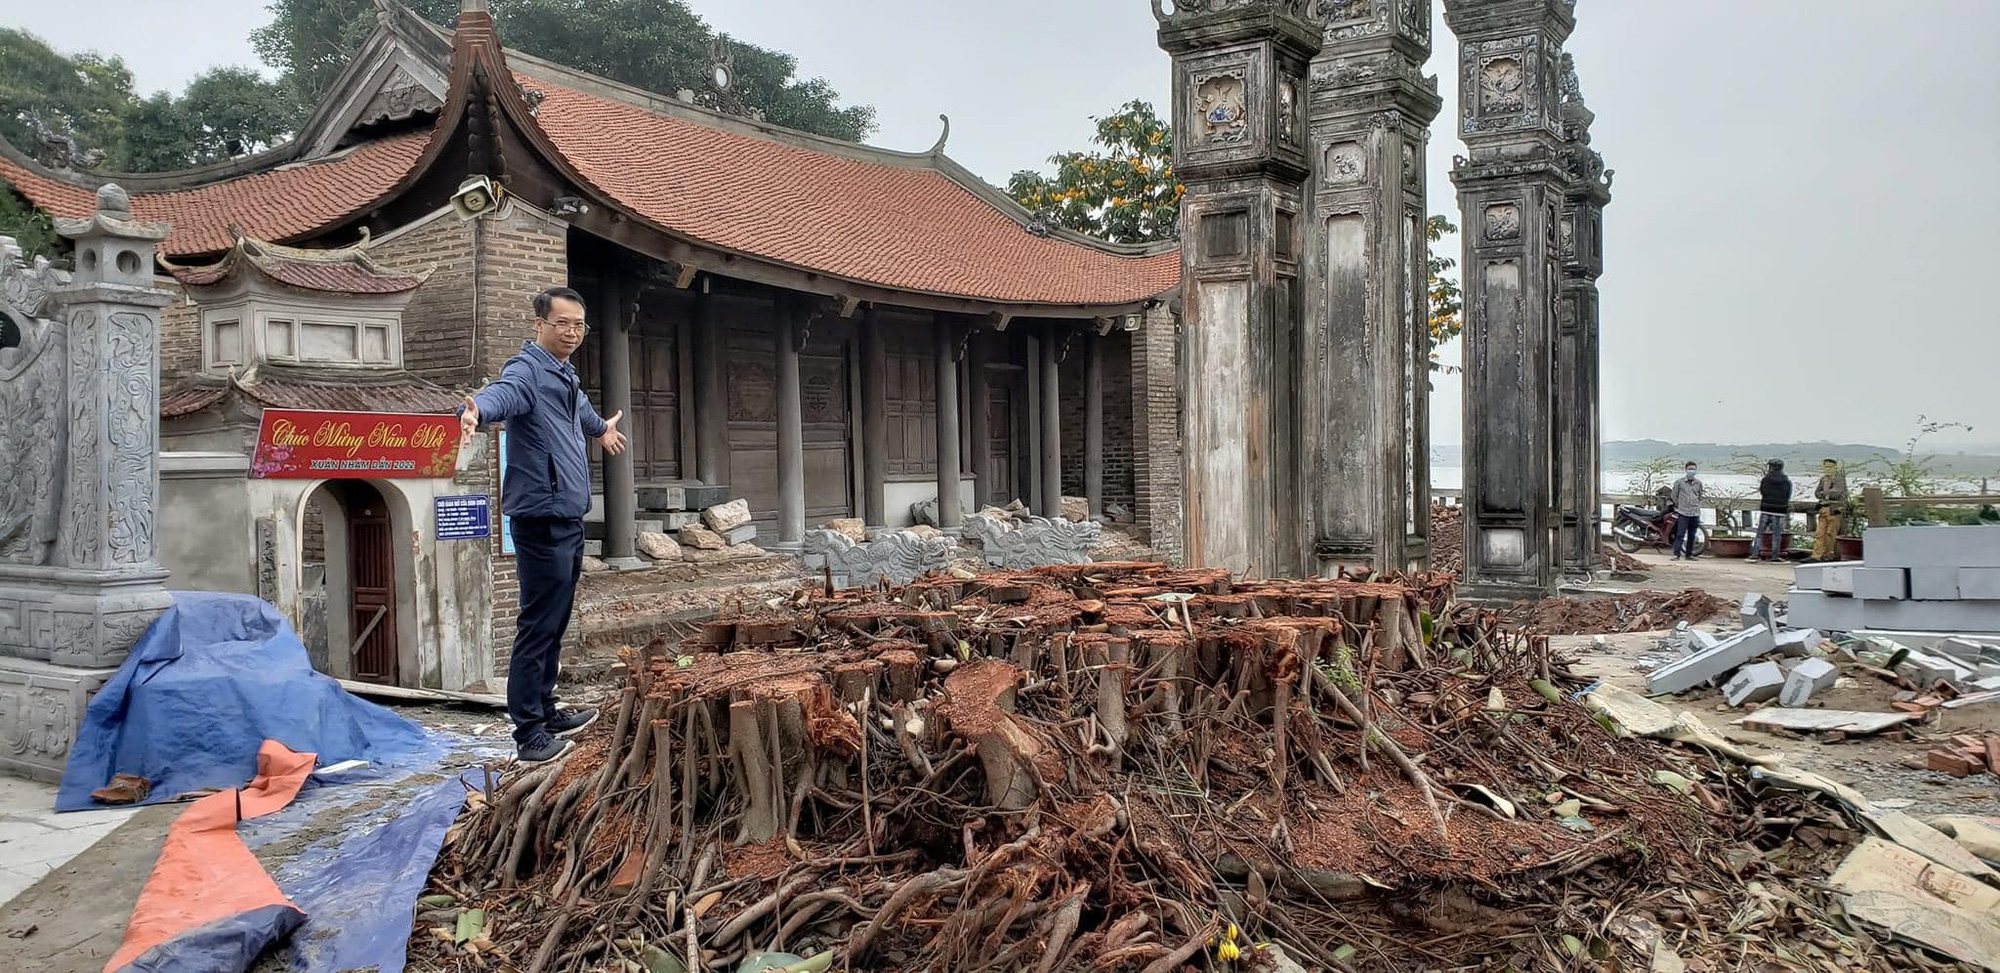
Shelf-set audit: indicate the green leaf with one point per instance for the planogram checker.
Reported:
(1345, 952)
(1674, 782)
(435, 901)
(660, 961)
(1573, 944)
(471, 923)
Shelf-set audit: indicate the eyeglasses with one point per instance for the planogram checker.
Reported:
(574, 327)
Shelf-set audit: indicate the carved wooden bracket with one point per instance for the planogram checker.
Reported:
(999, 320)
(848, 305)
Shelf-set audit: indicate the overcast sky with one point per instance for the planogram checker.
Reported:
(1800, 243)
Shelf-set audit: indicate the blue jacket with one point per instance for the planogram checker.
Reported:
(548, 419)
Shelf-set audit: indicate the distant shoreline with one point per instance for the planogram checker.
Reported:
(1800, 458)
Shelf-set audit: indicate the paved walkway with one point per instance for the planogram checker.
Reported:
(35, 840)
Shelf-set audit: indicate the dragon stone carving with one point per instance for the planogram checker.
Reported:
(1026, 542)
(54, 149)
(901, 556)
(33, 424)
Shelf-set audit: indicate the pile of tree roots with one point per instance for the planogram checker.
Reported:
(1107, 767)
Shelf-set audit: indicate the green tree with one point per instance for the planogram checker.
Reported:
(1123, 190)
(658, 45)
(1911, 474)
(83, 97)
(1648, 476)
(29, 227)
(1447, 320)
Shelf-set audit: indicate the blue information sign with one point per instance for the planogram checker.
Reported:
(464, 518)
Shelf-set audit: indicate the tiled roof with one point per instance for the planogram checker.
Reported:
(908, 227)
(344, 271)
(286, 203)
(324, 390)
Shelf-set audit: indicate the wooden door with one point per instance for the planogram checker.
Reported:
(372, 571)
(999, 443)
(751, 391)
(653, 426)
(823, 410)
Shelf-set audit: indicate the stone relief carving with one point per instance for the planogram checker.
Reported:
(753, 391)
(1503, 222)
(34, 722)
(1417, 19)
(82, 534)
(1338, 11)
(1026, 542)
(1569, 90)
(1566, 237)
(56, 150)
(1346, 163)
(32, 417)
(125, 629)
(1502, 87)
(28, 286)
(267, 559)
(1413, 166)
(73, 633)
(1288, 112)
(1167, 11)
(1221, 104)
(902, 556)
(131, 426)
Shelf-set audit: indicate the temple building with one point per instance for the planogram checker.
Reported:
(820, 328)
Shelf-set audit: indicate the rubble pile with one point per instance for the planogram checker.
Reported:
(1116, 766)
(1639, 611)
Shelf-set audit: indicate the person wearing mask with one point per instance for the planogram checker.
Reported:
(1687, 497)
(545, 493)
(1774, 510)
(1832, 497)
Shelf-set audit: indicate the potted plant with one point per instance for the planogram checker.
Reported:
(1848, 543)
(1728, 539)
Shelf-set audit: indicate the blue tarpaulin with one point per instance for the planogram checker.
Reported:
(208, 683)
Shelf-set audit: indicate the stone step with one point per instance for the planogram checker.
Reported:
(595, 529)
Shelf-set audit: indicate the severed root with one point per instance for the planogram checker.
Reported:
(1061, 927)
(1387, 745)
(753, 761)
(923, 886)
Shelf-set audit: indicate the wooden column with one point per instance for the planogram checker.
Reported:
(980, 431)
(1030, 413)
(874, 422)
(1093, 425)
(1051, 422)
(614, 341)
(711, 415)
(791, 321)
(945, 334)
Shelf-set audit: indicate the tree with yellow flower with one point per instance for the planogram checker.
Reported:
(1447, 302)
(1122, 190)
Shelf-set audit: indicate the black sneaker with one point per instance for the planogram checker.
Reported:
(542, 750)
(570, 722)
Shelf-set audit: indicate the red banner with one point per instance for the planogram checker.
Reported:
(298, 445)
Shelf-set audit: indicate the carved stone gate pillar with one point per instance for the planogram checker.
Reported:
(1240, 148)
(1580, 240)
(1512, 191)
(80, 478)
(1365, 342)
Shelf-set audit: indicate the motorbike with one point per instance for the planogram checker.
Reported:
(1634, 527)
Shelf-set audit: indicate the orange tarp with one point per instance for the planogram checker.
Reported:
(205, 872)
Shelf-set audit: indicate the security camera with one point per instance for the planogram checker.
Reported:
(476, 197)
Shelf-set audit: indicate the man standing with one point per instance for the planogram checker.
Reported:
(1687, 512)
(1774, 510)
(546, 492)
(1832, 496)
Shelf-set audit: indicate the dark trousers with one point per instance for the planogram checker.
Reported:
(1684, 528)
(548, 558)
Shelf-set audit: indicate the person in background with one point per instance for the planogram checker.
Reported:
(546, 493)
(1774, 511)
(1687, 512)
(1832, 497)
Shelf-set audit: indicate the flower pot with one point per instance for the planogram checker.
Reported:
(1719, 546)
(1849, 548)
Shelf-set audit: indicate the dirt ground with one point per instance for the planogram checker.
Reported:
(74, 918)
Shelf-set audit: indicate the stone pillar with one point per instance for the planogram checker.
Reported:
(792, 318)
(1363, 432)
(1580, 241)
(977, 395)
(1049, 498)
(1032, 411)
(621, 493)
(1511, 189)
(946, 334)
(1240, 148)
(711, 414)
(874, 423)
(80, 481)
(1093, 424)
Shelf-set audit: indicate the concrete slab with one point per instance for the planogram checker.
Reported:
(1754, 683)
(684, 518)
(1926, 669)
(34, 839)
(662, 498)
(1798, 642)
(1919, 547)
(1756, 610)
(1808, 677)
(1839, 579)
(1979, 584)
(1934, 584)
(1830, 613)
(1887, 584)
(1967, 651)
(1704, 665)
(1981, 617)
(740, 535)
(1812, 577)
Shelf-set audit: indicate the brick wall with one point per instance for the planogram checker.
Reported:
(1119, 445)
(438, 324)
(180, 335)
(1156, 430)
